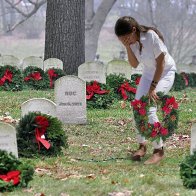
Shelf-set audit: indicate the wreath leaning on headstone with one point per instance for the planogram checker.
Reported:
(35, 78)
(10, 78)
(123, 88)
(54, 74)
(188, 171)
(158, 130)
(98, 95)
(13, 172)
(40, 134)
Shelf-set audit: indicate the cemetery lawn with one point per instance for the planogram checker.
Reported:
(96, 162)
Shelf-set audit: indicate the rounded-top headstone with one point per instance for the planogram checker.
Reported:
(32, 61)
(53, 63)
(8, 138)
(10, 60)
(42, 105)
(119, 67)
(92, 71)
(70, 99)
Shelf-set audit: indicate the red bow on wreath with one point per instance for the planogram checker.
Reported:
(42, 124)
(35, 75)
(94, 89)
(52, 75)
(126, 87)
(12, 176)
(7, 76)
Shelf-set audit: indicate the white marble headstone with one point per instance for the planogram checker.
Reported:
(92, 71)
(32, 61)
(193, 138)
(10, 60)
(53, 63)
(119, 67)
(8, 138)
(70, 98)
(42, 105)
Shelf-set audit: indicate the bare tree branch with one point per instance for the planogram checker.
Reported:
(36, 5)
(16, 8)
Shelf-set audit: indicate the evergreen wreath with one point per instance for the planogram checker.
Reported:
(13, 173)
(98, 95)
(162, 129)
(192, 79)
(136, 78)
(179, 83)
(123, 88)
(35, 78)
(40, 134)
(10, 78)
(188, 171)
(54, 74)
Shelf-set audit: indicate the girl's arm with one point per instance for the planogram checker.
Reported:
(131, 57)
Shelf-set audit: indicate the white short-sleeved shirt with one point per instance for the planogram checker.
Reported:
(153, 46)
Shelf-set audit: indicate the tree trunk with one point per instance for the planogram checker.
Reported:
(65, 33)
(93, 27)
(4, 23)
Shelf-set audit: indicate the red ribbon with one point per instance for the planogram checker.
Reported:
(52, 75)
(7, 76)
(42, 124)
(13, 176)
(35, 76)
(126, 88)
(94, 89)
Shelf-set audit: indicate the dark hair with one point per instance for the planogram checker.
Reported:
(125, 24)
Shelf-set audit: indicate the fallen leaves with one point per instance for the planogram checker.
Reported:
(118, 122)
(124, 193)
(91, 176)
(42, 171)
(178, 141)
(8, 119)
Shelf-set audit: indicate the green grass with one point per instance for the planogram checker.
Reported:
(96, 162)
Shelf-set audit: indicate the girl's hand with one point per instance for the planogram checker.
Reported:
(125, 41)
(153, 95)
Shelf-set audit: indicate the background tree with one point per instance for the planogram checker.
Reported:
(94, 22)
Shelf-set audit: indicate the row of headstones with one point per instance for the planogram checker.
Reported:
(31, 61)
(87, 71)
(97, 71)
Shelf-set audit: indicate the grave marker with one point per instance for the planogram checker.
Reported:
(70, 98)
(8, 138)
